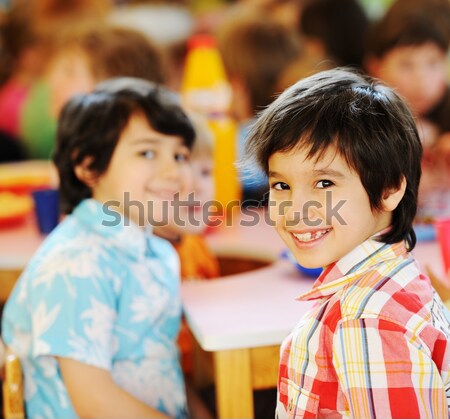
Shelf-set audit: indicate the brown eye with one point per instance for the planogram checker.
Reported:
(323, 184)
(148, 154)
(181, 157)
(280, 186)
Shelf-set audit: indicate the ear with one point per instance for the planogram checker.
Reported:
(392, 197)
(85, 174)
(373, 65)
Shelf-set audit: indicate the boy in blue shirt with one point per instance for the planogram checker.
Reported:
(95, 315)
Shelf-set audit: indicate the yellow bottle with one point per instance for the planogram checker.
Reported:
(205, 89)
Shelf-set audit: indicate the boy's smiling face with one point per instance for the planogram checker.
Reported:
(320, 208)
(147, 167)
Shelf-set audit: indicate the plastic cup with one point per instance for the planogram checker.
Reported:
(443, 236)
(46, 206)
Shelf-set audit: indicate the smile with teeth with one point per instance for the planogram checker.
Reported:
(310, 235)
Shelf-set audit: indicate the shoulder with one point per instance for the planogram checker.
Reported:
(71, 251)
(392, 291)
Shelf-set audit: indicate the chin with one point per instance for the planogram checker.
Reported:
(196, 230)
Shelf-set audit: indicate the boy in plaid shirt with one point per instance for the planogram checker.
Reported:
(343, 158)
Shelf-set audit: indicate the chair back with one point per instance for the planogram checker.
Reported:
(13, 404)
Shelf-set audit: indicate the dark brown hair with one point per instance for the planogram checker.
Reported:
(368, 123)
(115, 52)
(256, 49)
(410, 23)
(340, 25)
(90, 126)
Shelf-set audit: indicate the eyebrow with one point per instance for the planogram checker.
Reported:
(318, 172)
(328, 172)
(146, 141)
(271, 173)
(153, 141)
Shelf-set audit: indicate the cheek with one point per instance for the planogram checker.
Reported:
(187, 179)
(206, 187)
(354, 212)
(439, 82)
(394, 75)
(276, 212)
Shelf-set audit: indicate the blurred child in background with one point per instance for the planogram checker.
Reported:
(407, 48)
(255, 50)
(83, 55)
(22, 60)
(190, 219)
(95, 316)
(22, 57)
(28, 32)
(335, 30)
(332, 33)
(186, 227)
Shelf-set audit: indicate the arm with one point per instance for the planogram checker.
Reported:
(384, 374)
(197, 408)
(94, 394)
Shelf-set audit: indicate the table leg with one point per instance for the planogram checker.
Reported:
(234, 390)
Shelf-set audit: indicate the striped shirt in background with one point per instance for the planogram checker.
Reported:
(375, 345)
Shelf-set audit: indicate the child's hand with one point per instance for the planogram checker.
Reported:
(438, 284)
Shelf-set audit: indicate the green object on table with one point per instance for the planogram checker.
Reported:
(38, 127)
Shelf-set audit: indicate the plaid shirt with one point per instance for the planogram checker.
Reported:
(373, 346)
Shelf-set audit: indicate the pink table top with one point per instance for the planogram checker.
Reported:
(18, 244)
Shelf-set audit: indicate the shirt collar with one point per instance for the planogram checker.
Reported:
(368, 254)
(119, 231)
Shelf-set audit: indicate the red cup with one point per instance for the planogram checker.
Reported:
(443, 235)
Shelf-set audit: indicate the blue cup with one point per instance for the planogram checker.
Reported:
(310, 272)
(46, 206)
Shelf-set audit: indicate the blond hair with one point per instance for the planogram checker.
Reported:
(204, 139)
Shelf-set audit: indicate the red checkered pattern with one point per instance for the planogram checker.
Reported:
(375, 345)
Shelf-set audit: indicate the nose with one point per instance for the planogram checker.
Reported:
(294, 208)
(170, 169)
(421, 78)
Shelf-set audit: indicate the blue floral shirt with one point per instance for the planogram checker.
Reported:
(107, 296)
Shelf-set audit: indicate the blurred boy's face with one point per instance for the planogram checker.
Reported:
(321, 209)
(417, 72)
(190, 217)
(147, 167)
(68, 73)
(203, 178)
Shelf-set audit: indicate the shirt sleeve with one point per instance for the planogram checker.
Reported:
(72, 307)
(385, 371)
